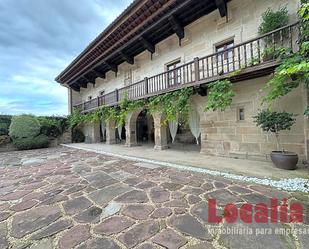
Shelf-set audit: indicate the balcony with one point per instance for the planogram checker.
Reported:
(248, 59)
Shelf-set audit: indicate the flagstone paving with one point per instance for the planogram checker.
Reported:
(66, 198)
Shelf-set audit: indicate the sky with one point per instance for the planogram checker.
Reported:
(38, 39)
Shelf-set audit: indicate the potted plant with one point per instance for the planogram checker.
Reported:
(274, 122)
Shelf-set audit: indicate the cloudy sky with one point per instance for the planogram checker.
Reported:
(38, 39)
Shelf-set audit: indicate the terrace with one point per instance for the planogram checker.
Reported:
(247, 60)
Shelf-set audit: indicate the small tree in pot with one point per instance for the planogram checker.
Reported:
(274, 122)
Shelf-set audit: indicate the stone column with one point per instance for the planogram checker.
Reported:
(110, 132)
(131, 129)
(92, 132)
(150, 125)
(160, 132)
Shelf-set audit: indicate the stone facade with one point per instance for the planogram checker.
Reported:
(223, 133)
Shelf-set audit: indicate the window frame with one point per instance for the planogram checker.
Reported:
(173, 78)
(225, 45)
(239, 113)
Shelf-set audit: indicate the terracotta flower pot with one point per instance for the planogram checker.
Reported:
(284, 160)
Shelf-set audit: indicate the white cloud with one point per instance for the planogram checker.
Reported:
(39, 42)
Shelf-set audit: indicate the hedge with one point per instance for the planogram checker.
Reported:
(30, 143)
(24, 126)
(5, 121)
(53, 126)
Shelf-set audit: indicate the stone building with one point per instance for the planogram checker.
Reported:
(158, 46)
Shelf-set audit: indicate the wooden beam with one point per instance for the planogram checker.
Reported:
(181, 7)
(88, 80)
(99, 74)
(222, 6)
(75, 88)
(112, 66)
(147, 45)
(177, 27)
(83, 85)
(129, 59)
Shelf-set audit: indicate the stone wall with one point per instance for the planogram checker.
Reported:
(224, 134)
(65, 138)
(5, 144)
(201, 37)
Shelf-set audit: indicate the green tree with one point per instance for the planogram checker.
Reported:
(274, 122)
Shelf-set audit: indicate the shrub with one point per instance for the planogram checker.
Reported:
(5, 121)
(77, 136)
(272, 20)
(30, 143)
(24, 126)
(53, 126)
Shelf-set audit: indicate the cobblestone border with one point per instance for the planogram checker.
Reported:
(288, 184)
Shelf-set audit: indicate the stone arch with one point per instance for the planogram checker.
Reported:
(130, 126)
(144, 127)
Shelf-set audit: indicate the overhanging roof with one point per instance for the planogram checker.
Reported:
(142, 25)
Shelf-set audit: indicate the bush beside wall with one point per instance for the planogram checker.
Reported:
(5, 121)
(24, 126)
(30, 143)
(27, 132)
(53, 126)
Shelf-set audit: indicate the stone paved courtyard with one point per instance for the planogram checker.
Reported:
(68, 198)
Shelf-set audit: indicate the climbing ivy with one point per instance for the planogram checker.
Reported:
(294, 68)
(125, 107)
(104, 113)
(171, 105)
(75, 118)
(220, 95)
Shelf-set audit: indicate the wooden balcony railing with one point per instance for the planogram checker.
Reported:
(206, 69)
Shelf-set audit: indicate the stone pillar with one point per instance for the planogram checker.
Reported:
(150, 124)
(92, 132)
(130, 126)
(160, 132)
(110, 132)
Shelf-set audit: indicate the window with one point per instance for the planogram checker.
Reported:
(227, 54)
(225, 57)
(241, 113)
(174, 75)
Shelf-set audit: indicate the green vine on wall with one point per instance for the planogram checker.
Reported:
(125, 107)
(172, 105)
(220, 95)
(294, 68)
